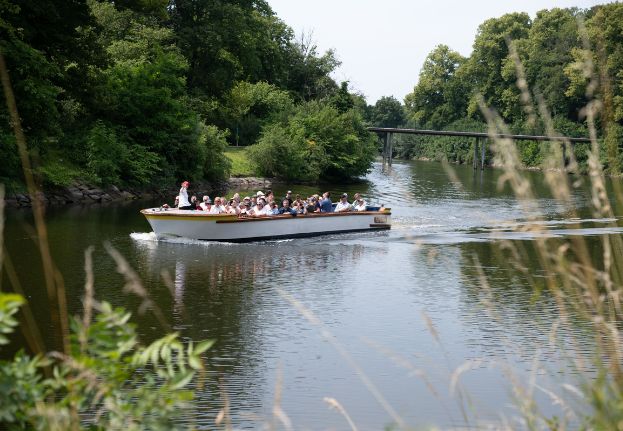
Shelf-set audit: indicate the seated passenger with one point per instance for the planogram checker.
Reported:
(326, 206)
(274, 209)
(232, 207)
(289, 196)
(343, 205)
(245, 209)
(285, 209)
(206, 205)
(312, 205)
(218, 207)
(359, 204)
(260, 209)
(300, 207)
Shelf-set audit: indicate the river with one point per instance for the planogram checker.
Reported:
(400, 310)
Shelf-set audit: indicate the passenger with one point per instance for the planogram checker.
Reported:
(285, 209)
(236, 197)
(311, 205)
(206, 205)
(270, 196)
(343, 205)
(253, 201)
(299, 207)
(260, 209)
(245, 209)
(289, 197)
(218, 207)
(246, 200)
(184, 204)
(326, 206)
(359, 204)
(194, 203)
(232, 208)
(274, 209)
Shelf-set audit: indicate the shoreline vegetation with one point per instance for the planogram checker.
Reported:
(141, 95)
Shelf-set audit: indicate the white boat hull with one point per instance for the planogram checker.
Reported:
(230, 228)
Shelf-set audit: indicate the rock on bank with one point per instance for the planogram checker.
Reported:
(84, 194)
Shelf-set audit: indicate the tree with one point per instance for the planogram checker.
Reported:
(440, 96)
(387, 112)
(485, 65)
(226, 42)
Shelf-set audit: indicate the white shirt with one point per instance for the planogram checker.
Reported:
(360, 207)
(204, 206)
(260, 212)
(217, 209)
(184, 197)
(342, 206)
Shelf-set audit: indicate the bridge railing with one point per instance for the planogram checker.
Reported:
(387, 133)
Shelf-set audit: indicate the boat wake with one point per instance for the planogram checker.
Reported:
(150, 237)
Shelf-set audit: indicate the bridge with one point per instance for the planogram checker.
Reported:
(386, 134)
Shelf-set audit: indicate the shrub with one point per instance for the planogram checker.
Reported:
(315, 142)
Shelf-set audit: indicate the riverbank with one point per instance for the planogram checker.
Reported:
(81, 193)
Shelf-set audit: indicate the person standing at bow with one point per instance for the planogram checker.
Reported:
(184, 203)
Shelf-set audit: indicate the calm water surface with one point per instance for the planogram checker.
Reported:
(371, 292)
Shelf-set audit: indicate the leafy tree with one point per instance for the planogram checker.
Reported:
(342, 99)
(225, 42)
(387, 112)
(308, 72)
(250, 106)
(440, 96)
(489, 56)
(551, 40)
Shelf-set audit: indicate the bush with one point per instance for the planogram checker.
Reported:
(212, 144)
(101, 144)
(315, 142)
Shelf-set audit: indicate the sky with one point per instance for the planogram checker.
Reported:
(382, 44)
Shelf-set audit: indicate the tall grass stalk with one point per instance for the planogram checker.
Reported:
(53, 280)
(583, 286)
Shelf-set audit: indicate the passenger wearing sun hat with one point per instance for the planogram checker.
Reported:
(206, 205)
(184, 203)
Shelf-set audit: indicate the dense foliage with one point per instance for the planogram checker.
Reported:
(551, 67)
(316, 141)
(146, 93)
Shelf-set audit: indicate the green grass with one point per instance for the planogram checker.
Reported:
(240, 163)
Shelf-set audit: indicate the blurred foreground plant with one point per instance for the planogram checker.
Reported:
(108, 381)
(583, 275)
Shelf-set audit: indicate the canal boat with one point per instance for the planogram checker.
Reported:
(174, 223)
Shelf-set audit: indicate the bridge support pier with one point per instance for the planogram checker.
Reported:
(482, 153)
(475, 159)
(388, 149)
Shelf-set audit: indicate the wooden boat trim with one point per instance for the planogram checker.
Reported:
(300, 216)
(233, 218)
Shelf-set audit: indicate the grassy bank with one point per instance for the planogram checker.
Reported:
(240, 163)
